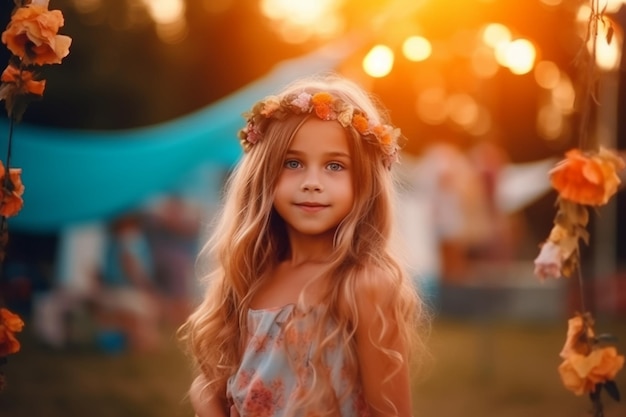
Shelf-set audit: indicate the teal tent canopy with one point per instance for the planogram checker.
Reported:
(74, 176)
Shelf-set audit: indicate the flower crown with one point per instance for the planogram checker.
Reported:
(326, 107)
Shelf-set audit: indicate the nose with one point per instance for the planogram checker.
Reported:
(311, 187)
(311, 182)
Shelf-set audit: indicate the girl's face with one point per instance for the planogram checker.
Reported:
(314, 191)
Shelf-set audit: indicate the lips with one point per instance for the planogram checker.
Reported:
(311, 206)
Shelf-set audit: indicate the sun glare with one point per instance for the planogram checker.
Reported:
(298, 20)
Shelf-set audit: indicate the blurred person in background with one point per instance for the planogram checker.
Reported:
(173, 226)
(127, 300)
(104, 293)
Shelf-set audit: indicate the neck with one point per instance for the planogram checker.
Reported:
(309, 249)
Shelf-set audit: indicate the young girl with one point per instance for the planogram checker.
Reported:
(307, 312)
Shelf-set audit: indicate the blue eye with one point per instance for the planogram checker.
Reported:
(334, 166)
(292, 164)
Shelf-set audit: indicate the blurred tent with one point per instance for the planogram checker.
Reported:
(76, 176)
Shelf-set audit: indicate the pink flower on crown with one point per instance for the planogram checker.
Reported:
(391, 158)
(270, 105)
(302, 102)
(252, 134)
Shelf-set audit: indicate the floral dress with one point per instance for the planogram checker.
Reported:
(265, 385)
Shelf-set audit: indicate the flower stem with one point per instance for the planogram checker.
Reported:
(588, 97)
(581, 289)
(3, 220)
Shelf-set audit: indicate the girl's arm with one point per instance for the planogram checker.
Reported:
(386, 394)
(204, 404)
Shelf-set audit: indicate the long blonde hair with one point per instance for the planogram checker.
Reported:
(250, 239)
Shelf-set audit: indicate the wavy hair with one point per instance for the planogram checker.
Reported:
(250, 239)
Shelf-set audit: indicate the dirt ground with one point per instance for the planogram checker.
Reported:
(476, 368)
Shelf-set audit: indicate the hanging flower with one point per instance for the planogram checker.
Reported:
(22, 81)
(19, 86)
(587, 364)
(32, 35)
(10, 324)
(560, 247)
(11, 195)
(587, 179)
(549, 261)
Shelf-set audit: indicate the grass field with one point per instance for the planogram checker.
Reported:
(478, 368)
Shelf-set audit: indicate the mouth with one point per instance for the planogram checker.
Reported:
(310, 206)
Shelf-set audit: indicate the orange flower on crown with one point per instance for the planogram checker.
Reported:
(384, 134)
(322, 103)
(360, 123)
(32, 35)
(10, 324)
(587, 179)
(11, 197)
(585, 364)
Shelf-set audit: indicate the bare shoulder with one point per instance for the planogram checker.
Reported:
(377, 287)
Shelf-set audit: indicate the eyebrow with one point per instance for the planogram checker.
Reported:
(296, 152)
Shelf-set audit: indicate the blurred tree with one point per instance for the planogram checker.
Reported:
(120, 75)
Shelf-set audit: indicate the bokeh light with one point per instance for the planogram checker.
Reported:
(165, 11)
(431, 105)
(484, 63)
(495, 34)
(87, 6)
(564, 94)
(169, 17)
(217, 6)
(379, 61)
(547, 74)
(520, 56)
(462, 109)
(416, 48)
(550, 121)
